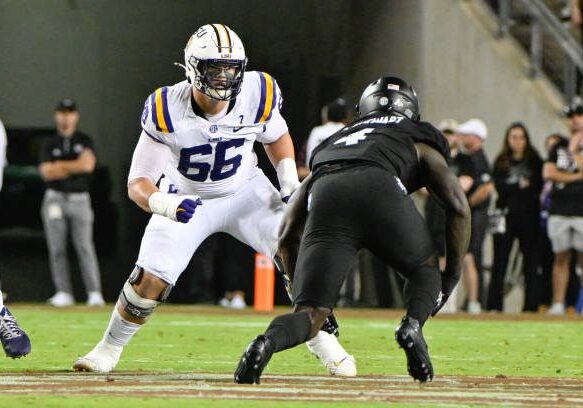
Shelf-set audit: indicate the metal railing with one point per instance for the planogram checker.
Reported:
(543, 20)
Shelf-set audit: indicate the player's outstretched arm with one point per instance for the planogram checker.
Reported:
(292, 227)
(445, 186)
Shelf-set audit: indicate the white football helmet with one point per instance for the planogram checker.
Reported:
(215, 61)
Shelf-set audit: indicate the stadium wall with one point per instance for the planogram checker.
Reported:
(447, 48)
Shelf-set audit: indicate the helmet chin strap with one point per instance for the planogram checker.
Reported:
(178, 64)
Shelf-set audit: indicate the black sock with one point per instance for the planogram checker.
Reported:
(421, 291)
(289, 330)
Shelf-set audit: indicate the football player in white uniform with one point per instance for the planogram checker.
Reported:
(194, 168)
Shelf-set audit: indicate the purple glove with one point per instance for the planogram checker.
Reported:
(186, 208)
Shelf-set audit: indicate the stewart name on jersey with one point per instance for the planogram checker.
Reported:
(214, 158)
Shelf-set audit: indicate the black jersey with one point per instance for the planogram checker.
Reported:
(384, 140)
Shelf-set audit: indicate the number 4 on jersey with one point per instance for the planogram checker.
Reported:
(354, 138)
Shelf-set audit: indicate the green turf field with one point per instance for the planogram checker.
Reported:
(208, 340)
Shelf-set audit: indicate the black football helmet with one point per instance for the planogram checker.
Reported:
(389, 94)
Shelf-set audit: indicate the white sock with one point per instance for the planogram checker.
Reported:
(120, 331)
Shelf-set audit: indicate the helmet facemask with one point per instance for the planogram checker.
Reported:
(219, 79)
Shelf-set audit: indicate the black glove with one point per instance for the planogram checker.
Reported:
(440, 302)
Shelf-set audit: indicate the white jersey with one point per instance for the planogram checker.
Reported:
(319, 134)
(214, 158)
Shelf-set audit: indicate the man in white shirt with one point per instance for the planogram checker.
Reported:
(334, 117)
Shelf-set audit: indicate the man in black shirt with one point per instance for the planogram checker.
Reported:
(474, 132)
(565, 225)
(357, 197)
(66, 163)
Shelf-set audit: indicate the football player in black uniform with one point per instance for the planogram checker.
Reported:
(357, 197)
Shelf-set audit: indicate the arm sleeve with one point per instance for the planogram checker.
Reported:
(44, 154)
(274, 129)
(149, 159)
(156, 120)
(553, 154)
(88, 142)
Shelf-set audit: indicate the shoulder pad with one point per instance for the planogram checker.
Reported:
(268, 94)
(159, 112)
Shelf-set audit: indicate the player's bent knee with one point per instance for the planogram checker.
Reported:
(317, 315)
(139, 306)
(134, 305)
(433, 260)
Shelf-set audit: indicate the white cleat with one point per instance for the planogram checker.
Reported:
(238, 302)
(343, 368)
(330, 352)
(557, 309)
(95, 299)
(474, 307)
(61, 299)
(102, 359)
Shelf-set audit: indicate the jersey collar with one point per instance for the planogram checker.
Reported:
(199, 112)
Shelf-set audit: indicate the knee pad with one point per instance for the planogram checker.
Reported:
(134, 304)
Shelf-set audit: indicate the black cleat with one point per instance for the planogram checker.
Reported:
(410, 338)
(254, 360)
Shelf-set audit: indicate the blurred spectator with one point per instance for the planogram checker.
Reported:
(518, 181)
(235, 267)
(575, 8)
(473, 133)
(222, 264)
(334, 117)
(546, 256)
(67, 160)
(461, 166)
(565, 225)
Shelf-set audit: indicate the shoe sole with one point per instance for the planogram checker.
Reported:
(345, 368)
(247, 372)
(85, 365)
(415, 358)
(14, 357)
